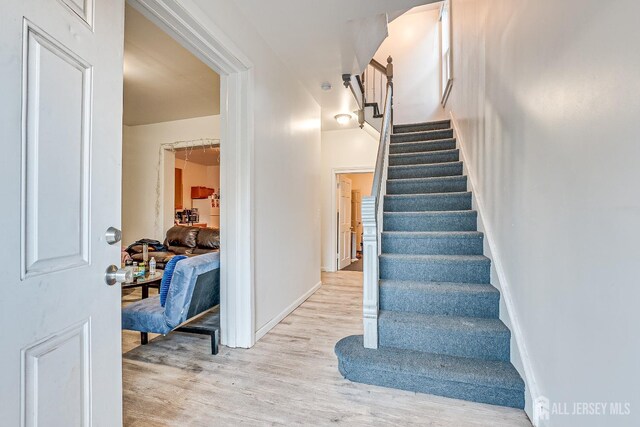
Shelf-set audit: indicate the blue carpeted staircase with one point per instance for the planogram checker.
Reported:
(438, 325)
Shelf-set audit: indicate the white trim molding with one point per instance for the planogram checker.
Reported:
(287, 311)
(205, 40)
(496, 258)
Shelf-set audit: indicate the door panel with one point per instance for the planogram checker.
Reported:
(344, 222)
(55, 137)
(61, 130)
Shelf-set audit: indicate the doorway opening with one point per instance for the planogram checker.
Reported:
(171, 165)
(350, 188)
(235, 130)
(196, 185)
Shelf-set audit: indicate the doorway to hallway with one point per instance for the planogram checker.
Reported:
(350, 189)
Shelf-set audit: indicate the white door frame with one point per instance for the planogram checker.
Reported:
(203, 38)
(334, 223)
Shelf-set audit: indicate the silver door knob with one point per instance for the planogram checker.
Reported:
(113, 235)
(115, 275)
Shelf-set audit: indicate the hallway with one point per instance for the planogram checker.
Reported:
(289, 377)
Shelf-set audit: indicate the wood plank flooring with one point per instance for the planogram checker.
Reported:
(289, 377)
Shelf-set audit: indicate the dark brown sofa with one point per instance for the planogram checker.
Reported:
(182, 240)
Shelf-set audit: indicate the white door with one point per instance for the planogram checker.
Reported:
(344, 222)
(356, 219)
(60, 130)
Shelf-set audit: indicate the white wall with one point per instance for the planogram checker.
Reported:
(413, 43)
(287, 170)
(342, 150)
(547, 99)
(142, 216)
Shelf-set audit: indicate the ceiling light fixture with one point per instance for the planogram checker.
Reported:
(325, 86)
(343, 119)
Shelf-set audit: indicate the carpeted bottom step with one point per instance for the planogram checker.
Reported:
(492, 382)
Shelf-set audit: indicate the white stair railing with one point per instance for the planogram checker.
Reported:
(372, 212)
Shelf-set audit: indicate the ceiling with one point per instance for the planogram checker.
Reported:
(162, 80)
(326, 39)
(209, 156)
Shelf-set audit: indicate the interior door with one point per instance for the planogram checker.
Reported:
(61, 128)
(344, 222)
(356, 219)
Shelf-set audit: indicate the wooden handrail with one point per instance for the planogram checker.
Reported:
(358, 85)
(379, 66)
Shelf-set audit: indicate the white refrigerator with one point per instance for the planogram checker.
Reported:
(209, 210)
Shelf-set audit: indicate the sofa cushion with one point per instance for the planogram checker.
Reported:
(198, 251)
(182, 285)
(180, 250)
(146, 315)
(165, 283)
(181, 236)
(208, 238)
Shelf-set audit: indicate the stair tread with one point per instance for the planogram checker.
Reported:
(438, 258)
(421, 135)
(427, 153)
(476, 325)
(427, 142)
(413, 196)
(489, 373)
(443, 287)
(429, 179)
(426, 165)
(435, 122)
(433, 234)
(434, 213)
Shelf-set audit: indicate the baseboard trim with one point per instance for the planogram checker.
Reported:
(495, 256)
(287, 311)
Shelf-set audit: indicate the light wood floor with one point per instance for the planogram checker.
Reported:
(289, 377)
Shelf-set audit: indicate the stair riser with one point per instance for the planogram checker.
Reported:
(453, 202)
(465, 304)
(432, 246)
(414, 383)
(424, 159)
(453, 169)
(422, 136)
(421, 147)
(462, 221)
(430, 186)
(432, 271)
(423, 127)
(453, 343)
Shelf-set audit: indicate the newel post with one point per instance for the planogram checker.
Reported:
(370, 271)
